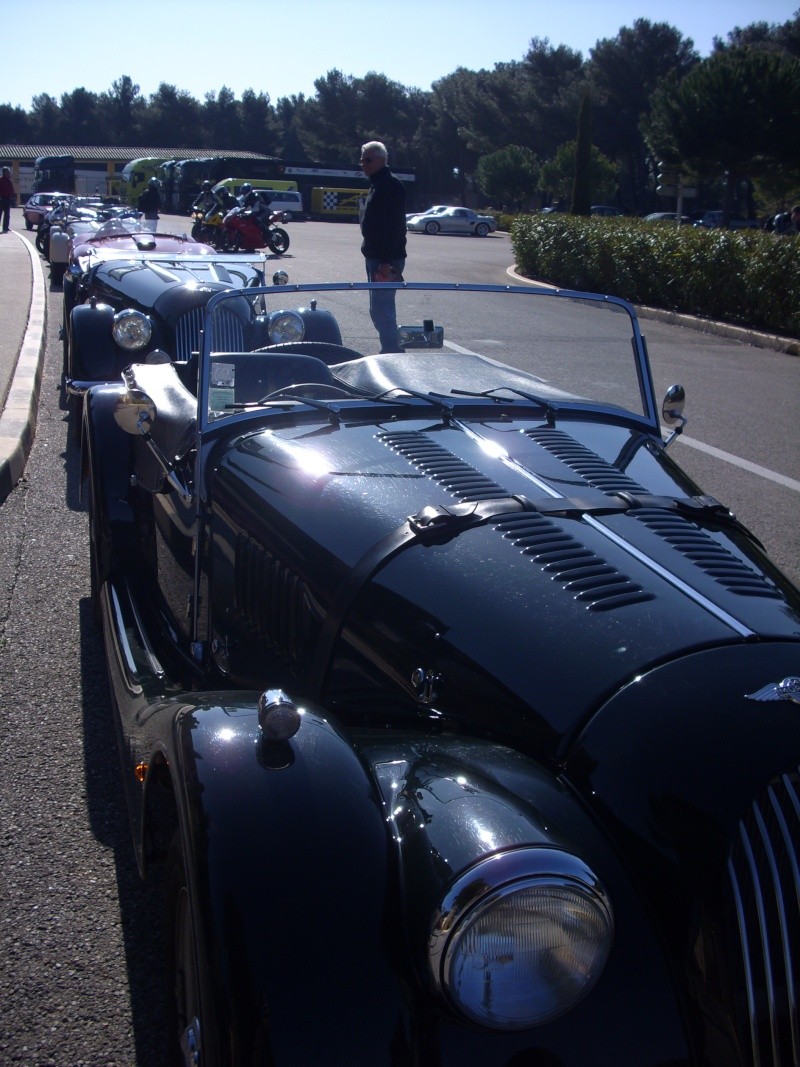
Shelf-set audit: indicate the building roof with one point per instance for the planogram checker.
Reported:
(114, 153)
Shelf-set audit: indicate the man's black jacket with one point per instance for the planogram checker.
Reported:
(384, 224)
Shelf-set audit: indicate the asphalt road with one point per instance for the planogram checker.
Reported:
(80, 952)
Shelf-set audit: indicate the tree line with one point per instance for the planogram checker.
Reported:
(506, 136)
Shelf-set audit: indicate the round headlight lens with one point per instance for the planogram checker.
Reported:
(132, 330)
(521, 953)
(286, 326)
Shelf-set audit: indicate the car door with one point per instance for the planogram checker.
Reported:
(460, 221)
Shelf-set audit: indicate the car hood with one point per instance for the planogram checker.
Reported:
(523, 625)
(143, 281)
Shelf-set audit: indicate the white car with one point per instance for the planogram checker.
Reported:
(452, 220)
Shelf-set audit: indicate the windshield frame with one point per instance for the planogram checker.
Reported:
(648, 418)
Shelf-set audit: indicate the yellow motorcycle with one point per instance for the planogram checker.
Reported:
(207, 222)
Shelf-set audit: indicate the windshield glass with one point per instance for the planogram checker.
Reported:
(121, 224)
(574, 350)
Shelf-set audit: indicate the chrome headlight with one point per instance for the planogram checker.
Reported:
(286, 326)
(520, 938)
(131, 330)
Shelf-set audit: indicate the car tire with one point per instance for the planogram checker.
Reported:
(432, 228)
(184, 1026)
(28, 224)
(481, 229)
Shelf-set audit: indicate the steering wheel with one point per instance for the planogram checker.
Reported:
(336, 390)
(324, 350)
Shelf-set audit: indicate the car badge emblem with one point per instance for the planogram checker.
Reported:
(788, 689)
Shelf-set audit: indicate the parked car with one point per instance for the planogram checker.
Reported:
(37, 206)
(118, 238)
(605, 210)
(458, 720)
(437, 209)
(68, 219)
(667, 216)
(452, 220)
(147, 304)
(712, 219)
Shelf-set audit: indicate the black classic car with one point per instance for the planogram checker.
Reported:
(462, 725)
(123, 303)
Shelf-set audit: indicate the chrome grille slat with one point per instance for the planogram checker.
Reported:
(228, 333)
(764, 880)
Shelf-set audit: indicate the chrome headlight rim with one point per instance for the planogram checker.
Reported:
(132, 330)
(492, 881)
(285, 326)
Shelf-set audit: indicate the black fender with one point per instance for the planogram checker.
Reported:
(92, 352)
(295, 844)
(107, 462)
(286, 845)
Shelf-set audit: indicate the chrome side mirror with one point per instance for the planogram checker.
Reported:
(672, 411)
(135, 412)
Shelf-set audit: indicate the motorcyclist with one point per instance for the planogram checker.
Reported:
(257, 203)
(204, 200)
(245, 190)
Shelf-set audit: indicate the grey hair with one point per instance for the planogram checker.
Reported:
(378, 147)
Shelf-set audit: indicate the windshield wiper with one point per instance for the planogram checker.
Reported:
(436, 400)
(494, 394)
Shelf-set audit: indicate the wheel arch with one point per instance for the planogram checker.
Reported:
(91, 355)
(286, 842)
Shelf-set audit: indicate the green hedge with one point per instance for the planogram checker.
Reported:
(747, 277)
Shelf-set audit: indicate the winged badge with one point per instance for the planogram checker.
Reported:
(788, 689)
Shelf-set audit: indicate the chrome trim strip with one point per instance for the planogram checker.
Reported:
(748, 966)
(702, 601)
(790, 854)
(780, 908)
(647, 561)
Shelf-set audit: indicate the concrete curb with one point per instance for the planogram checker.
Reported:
(18, 416)
(746, 336)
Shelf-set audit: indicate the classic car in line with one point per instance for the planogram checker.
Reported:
(122, 303)
(462, 724)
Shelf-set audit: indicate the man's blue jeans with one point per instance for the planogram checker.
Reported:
(382, 306)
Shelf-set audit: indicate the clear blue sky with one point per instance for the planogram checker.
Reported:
(56, 46)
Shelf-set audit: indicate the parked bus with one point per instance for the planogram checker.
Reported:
(54, 174)
(189, 174)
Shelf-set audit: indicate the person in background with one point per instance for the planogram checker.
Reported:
(149, 204)
(6, 197)
(204, 200)
(383, 231)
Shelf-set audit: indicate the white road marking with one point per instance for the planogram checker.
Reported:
(717, 453)
(744, 464)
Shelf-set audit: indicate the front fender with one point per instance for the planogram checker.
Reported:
(291, 876)
(59, 247)
(314, 897)
(92, 352)
(107, 452)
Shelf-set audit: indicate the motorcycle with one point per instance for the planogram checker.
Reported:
(243, 230)
(206, 226)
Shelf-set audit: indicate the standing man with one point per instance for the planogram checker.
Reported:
(150, 203)
(6, 197)
(383, 228)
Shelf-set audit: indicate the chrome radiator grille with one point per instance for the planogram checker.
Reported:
(764, 878)
(228, 332)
